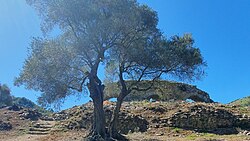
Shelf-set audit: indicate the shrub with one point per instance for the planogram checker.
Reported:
(5, 96)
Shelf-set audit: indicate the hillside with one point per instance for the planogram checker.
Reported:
(139, 121)
(6, 99)
(241, 102)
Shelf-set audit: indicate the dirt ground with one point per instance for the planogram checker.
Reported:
(79, 136)
(145, 137)
(59, 136)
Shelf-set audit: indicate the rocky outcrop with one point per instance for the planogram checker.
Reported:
(162, 91)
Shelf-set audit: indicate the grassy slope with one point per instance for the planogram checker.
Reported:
(242, 102)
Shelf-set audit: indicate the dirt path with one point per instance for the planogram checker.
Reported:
(26, 137)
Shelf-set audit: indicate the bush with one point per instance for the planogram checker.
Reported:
(5, 96)
(23, 102)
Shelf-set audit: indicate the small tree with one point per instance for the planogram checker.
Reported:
(176, 57)
(5, 96)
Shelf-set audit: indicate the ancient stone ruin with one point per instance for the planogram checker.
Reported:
(162, 91)
(205, 118)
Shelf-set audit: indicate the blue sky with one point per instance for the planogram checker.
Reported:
(221, 29)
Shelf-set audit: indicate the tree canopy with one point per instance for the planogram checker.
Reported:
(59, 66)
(176, 57)
(149, 59)
(118, 33)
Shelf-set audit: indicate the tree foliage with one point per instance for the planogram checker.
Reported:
(51, 68)
(58, 67)
(176, 58)
(90, 31)
(120, 34)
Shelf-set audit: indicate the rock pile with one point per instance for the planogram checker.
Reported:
(30, 114)
(205, 119)
(245, 132)
(131, 123)
(243, 121)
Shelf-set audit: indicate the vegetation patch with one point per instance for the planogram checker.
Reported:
(5, 126)
(242, 102)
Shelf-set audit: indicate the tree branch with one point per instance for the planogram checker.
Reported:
(81, 85)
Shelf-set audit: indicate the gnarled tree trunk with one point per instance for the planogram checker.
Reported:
(113, 127)
(113, 132)
(96, 93)
(98, 127)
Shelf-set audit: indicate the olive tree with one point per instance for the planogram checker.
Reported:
(90, 30)
(149, 59)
